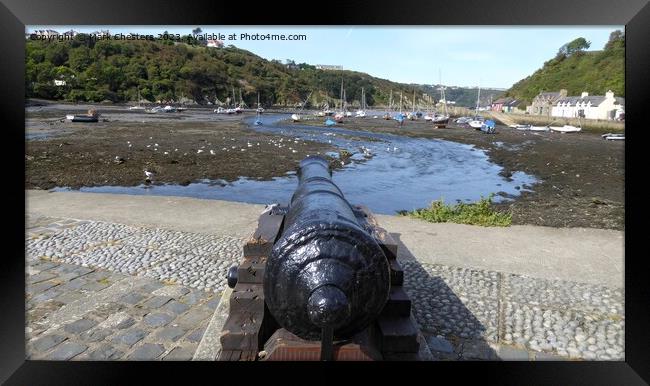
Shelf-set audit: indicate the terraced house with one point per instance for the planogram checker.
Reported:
(590, 106)
(544, 102)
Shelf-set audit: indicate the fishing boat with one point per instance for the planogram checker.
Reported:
(92, 116)
(361, 113)
(169, 109)
(329, 122)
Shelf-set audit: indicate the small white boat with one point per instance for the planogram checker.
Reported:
(428, 118)
(360, 114)
(220, 110)
(538, 128)
(476, 123)
(521, 127)
(613, 137)
(348, 114)
(565, 129)
(296, 117)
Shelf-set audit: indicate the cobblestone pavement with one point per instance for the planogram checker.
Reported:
(105, 291)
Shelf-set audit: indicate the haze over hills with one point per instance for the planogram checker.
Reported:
(576, 70)
(117, 70)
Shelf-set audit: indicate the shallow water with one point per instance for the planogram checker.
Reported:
(401, 173)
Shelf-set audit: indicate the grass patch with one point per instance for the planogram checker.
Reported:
(478, 213)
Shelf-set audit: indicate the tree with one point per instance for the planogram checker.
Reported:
(197, 31)
(574, 46)
(616, 39)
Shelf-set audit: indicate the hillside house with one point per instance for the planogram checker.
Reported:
(543, 103)
(590, 107)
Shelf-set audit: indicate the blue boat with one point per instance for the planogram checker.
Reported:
(329, 122)
(488, 127)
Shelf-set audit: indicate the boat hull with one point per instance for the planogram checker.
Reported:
(78, 118)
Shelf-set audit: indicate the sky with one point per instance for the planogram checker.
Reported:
(467, 56)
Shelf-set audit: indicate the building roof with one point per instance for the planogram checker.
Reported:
(503, 100)
(513, 103)
(594, 99)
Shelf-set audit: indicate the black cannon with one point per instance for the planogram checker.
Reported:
(315, 272)
(325, 272)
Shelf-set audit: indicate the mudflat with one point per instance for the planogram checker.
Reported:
(581, 176)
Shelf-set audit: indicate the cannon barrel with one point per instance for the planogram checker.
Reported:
(325, 274)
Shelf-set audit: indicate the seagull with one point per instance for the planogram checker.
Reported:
(166, 152)
(294, 151)
(211, 151)
(199, 151)
(269, 208)
(149, 175)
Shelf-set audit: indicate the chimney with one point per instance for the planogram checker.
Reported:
(584, 94)
(609, 94)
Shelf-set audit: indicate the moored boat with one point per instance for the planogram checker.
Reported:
(92, 116)
(613, 137)
(565, 129)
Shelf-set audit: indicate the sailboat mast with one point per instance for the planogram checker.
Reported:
(414, 100)
(400, 102)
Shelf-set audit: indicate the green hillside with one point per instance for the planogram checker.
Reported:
(465, 97)
(114, 70)
(578, 70)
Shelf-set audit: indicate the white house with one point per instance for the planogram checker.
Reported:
(590, 107)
